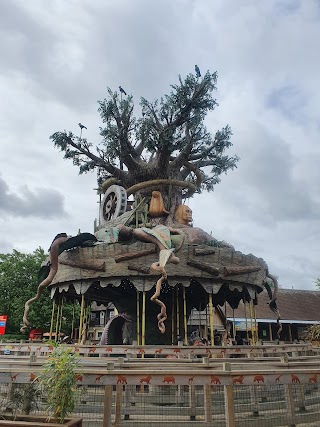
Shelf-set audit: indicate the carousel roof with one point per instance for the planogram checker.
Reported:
(104, 270)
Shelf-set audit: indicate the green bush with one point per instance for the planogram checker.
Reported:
(12, 337)
(59, 381)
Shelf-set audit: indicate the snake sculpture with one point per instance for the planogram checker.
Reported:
(162, 316)
(113, 331)
(164, 257)
(273, 298)
(60, 243)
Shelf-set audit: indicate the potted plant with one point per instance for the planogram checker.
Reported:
(58, 384)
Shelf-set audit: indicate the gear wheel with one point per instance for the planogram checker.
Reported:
(113, 204)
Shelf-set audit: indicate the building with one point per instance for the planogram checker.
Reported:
(99, 317)
(299, 309)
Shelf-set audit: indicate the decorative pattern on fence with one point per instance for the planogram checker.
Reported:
(262, 391)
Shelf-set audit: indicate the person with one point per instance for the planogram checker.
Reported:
(217, 339)
(239, 340)
(229, 340)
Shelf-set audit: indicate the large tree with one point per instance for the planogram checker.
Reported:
(18, 283)
(169, 142)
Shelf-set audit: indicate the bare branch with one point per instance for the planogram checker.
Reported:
(101, 162)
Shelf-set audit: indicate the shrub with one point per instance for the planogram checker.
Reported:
(59, 381)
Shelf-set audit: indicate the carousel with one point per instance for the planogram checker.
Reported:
(154, 269)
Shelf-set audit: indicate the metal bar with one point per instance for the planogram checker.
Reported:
(192, 402)
(255, 324)
(57, 321)
(52, 318)
(72, 324)
(172, 317)
(200, 332)
(60, 320)
(245, 312)
(251, 323)
(207, 404)
(178, 313)
(143, 325)
(81, 319)
(270, 332)
(185, 315)
(138, 317)
(234, 324)
(211, 319)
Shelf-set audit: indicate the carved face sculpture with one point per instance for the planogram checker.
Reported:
(183, 215)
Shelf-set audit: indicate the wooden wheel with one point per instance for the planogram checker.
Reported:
(113, 204)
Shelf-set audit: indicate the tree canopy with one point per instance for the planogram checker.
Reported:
(18, 283)
(168, 141)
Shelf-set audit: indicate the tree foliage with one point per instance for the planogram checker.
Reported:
(317, 282)
(18, 283)
(169, 140)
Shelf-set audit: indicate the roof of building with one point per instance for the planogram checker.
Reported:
(296, 305)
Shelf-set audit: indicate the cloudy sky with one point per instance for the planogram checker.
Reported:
(59, 56)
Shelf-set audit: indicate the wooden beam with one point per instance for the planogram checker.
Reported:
(84, 265)
(204, 251)
(134, 254)
(203, 266)
(236, 270)
(107, 406)
(138, 267)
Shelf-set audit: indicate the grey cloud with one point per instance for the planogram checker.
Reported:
(59, 57)
(60, 67)
(287, 7)
(41, 203)
(5, 246)
(295, 271)
(29, 39)
(290, 101)
(267, 185)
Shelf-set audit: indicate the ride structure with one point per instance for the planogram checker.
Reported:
(128, 261)
(145, 256)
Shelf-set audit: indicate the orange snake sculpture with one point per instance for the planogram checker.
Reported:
(54, 253)
(60, 243)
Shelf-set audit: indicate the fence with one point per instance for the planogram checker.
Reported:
(262, 390)
(154, 351)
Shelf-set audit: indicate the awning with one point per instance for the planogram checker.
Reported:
(296, 322)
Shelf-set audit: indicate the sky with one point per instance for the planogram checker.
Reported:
(57, 59)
